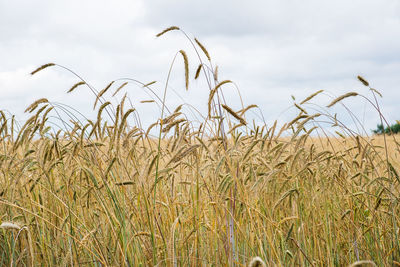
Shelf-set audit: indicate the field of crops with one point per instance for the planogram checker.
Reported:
(105, 192)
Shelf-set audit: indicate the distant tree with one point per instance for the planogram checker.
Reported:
(379, 129)
(392, 129)
(395, 128)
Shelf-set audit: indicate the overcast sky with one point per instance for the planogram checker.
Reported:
(270, 49)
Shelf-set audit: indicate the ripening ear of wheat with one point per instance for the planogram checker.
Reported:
(42, 68)
(340, 98)
(75, 86)
(186, 63)
(203, 49)
(35, 104)
(101, 93)
(172, 28)
(361, 79)
(119, 88)
(234, 114)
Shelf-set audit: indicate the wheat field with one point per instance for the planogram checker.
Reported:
(105, 192)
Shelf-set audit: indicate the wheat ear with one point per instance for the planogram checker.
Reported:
(42, 67)
(340, 98)
(212, 93)
(186, 62)
(75, 86)
(234, 114)
(198, 71)
(101, 93)
(35, 104)
(364, 81)
(172, 28)
(119, 88)
(148, 84)
(203, 48)
(311, 96)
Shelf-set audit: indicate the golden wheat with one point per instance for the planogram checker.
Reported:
(150, 83)
(75, 86)
(101, 93)
(172, 28)
(186, 63)
(42, 68)
(35, 104)
(107, 192)
(203, 49)
(340, 98)
(119, 88)
(361, 79)
(234, 114)
(311, 97)
(198, 71)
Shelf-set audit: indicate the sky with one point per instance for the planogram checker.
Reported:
(271, 50)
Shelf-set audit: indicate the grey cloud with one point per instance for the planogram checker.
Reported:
(287, 18)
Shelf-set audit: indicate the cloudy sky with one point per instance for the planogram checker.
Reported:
(270, 49)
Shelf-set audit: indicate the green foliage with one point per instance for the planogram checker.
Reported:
(392, 129)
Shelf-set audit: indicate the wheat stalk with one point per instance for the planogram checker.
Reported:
(198, 71)
(178, 108)
(300, 108)
(376, 91)
(148, 84)
(186, 62)
(42, 67)
(243, 111)
(124, 118)
(35, 104)
(172, 124)
(361, 79)
(101, 93)
(119, 88)
(234, 114)
(340, 98)
(172, 28)
(180, 156)
(216, 73)
(212, 93)
(203, 49)
(311, 97)
(122, 103)
(75, 86)
(299, 117)
(150, 127)
(101, 110)
(235, 127)
(171, 117)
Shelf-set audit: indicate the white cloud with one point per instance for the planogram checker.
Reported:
(271, 49)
